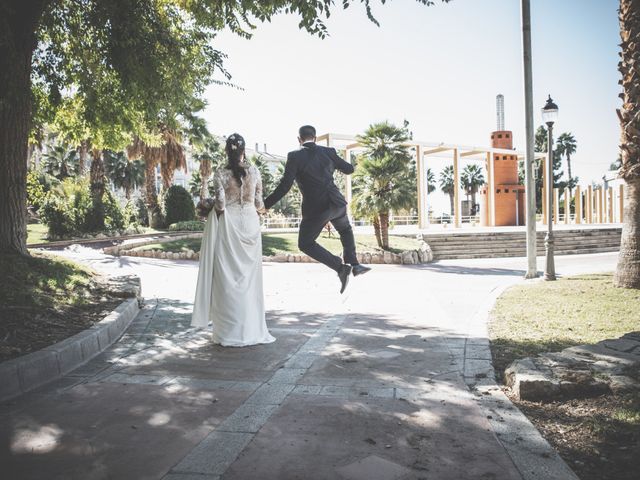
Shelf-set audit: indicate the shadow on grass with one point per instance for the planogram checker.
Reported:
(272, 245)
(36, 280)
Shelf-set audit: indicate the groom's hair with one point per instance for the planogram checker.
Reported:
(307, 132)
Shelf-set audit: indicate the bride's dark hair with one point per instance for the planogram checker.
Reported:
(235, 154)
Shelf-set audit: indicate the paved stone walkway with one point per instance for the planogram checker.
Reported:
(374, 384)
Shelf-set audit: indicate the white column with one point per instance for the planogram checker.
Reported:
(347, 183)
(456, 190)
(423, 215)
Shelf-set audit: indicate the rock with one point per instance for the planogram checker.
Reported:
(406, 258)
(387, 257)
(163, 255)
(425, 252)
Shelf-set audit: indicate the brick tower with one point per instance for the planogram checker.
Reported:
(509, 194)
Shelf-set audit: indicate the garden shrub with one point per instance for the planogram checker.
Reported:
(178, 205)
(190, 226)
(35, 190)
(68, 210)
(141, 213)
(114, 219)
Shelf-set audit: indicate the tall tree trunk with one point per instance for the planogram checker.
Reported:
(451, 199)
(473, 203)
(18, 25)
(97, 180)
(127, 192)
(151, 197)
(384, 229)
(205, 172)
(167, 173)
(628, 270)
(376, 229)
(83, 153)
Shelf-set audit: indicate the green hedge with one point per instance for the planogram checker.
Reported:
(178, 205)
(191, 226)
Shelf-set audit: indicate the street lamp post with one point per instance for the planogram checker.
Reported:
(549, 116)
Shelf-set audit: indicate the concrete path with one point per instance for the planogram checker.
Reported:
(373, 384)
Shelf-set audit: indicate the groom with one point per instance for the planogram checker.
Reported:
(312, 167)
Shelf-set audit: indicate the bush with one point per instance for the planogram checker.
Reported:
(191, 226)
(35, 190)
(68, 210)
(178, 205)
(141, 213)
(114, 219)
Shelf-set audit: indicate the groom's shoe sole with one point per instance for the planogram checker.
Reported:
(359, 270)
(343, 275)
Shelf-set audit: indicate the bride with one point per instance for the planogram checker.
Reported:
(229, 291)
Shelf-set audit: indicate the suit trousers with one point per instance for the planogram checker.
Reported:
(311, 228)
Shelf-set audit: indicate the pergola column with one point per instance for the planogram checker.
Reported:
(589, 205)
(600, 206)
(578, 205)
(556, 206)
(567, 205)
(456, 189)
(423, 190)
(610, 209)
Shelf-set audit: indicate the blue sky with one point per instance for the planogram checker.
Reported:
(439, 67)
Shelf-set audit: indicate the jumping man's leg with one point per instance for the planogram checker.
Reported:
(343, 227)
(310, 229)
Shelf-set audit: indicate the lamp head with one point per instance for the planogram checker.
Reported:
(550, 112)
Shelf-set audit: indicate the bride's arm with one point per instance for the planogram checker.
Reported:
(218, 187)
(259, 201)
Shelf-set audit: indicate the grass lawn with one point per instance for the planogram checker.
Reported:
(550, 316)
(276, 243)
(598, 437)
(45, 299)
(37, 233)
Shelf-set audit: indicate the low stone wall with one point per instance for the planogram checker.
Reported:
(410, 257)
(28, 372)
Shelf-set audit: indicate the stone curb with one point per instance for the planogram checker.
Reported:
(409, 257)
(23, 374)
(530, 452)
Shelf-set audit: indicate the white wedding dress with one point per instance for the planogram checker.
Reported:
(229, 293)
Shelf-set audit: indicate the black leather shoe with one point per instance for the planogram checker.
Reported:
(359, 270)
(343, 275)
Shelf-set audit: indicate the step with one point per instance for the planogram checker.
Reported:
(521, 253)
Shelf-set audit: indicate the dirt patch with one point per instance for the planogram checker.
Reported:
(599, 438)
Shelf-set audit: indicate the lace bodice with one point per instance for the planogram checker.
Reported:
(228, 192)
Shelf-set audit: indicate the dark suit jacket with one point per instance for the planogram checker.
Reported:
(312, 168)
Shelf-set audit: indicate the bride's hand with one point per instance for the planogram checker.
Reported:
(262, 211)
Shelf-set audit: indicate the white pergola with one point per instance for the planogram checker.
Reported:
(348, 143)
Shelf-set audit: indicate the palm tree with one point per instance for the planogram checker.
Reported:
(210, 156)
(169, 154)
(617, 164)
(472, 179)
(431, 181)
(124, 173)
(446, 184)
(566, 145)
(60, 161)
(628, 269)
(388, 164)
